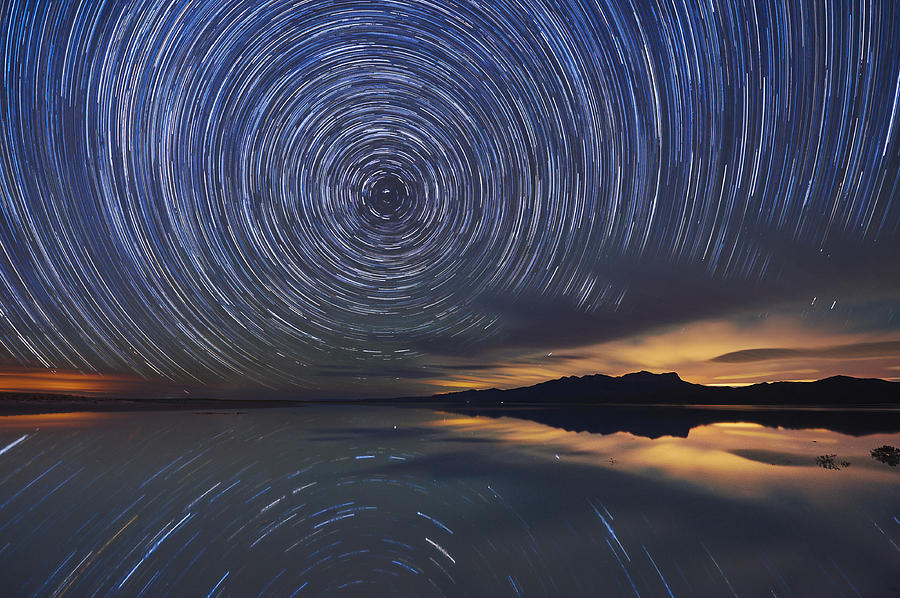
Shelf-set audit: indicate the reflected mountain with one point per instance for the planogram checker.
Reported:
(655, 405)
(654, 421)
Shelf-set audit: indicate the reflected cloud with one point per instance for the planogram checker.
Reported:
(75, 419)
(734, 458)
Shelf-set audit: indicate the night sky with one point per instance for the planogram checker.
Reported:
(348, 198)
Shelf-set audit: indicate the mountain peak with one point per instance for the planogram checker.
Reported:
(645, 375)
(645, 387)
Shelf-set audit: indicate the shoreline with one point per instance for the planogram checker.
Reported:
(22, 405)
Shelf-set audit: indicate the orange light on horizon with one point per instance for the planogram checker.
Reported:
(690, 350)
(64, 382)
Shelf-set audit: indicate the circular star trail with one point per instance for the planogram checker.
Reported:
(207, 191)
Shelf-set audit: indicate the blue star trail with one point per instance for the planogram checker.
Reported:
(276, 503)
(209, 192)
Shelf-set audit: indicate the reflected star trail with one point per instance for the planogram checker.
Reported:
(307, 502)
(211, 192)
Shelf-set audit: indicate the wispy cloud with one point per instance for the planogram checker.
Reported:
(851, 351)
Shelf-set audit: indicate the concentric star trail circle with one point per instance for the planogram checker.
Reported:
(221, 190)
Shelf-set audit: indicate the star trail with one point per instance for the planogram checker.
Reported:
(251, 193)
(296, 502)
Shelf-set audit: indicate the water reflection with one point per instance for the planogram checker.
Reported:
(78, 419)
(731, 458)
(409, 502)
(668, 420)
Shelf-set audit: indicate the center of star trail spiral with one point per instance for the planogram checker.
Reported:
(388, 197)
(211, 190)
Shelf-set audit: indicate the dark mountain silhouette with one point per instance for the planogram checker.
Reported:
(645, 388)
(655, 405)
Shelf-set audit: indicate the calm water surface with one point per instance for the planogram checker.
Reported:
(383, 501)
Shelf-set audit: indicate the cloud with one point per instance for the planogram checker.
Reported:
(851, 351)
(659, 293)
(62, 381)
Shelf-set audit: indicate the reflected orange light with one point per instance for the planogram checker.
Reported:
(76, 419)
(734, 459)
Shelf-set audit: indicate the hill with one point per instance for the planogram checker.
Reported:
(645, 388)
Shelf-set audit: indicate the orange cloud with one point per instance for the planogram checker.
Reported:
(694, 351)
(35, 380)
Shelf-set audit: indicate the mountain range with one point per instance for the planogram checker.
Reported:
(654, 405)
(645, 388)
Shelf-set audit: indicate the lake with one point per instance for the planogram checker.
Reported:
(351, 500)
